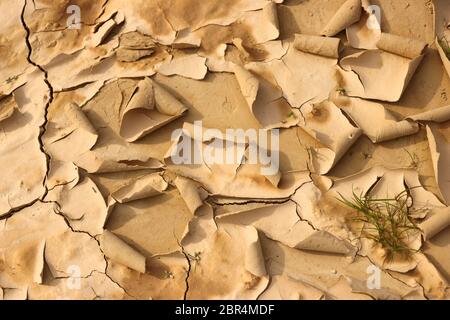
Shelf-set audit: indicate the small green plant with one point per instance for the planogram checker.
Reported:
(385, 221)
(291, 114)
(195, 259)
(11, 79)
(415, 160)
(341, 91)
(168, 274)
(367, 155)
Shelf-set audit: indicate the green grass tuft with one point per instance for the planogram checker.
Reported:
(385, 221)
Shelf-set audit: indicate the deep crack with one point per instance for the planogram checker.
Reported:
(43, 127)
(188, 272)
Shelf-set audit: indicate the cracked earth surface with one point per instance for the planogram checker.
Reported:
(94, 206)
